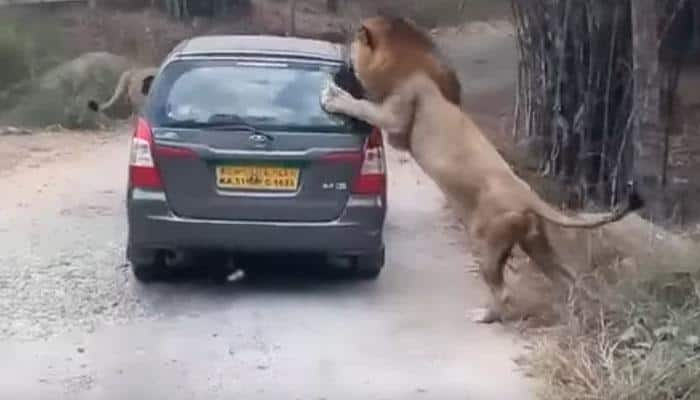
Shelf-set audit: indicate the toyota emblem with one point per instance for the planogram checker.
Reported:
(259, 140)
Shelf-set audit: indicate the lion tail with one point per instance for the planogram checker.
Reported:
(634, 202)
(118, 93)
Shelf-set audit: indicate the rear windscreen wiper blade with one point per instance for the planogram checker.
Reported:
(230, 119)
(234, 127)
(216, 122)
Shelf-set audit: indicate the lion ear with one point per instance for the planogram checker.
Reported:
(365, 36)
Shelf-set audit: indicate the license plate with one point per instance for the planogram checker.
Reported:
(257, 178)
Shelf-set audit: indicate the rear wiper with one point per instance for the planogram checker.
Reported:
(230, 119)
(219, 121)
(222, 121)
(186, 123)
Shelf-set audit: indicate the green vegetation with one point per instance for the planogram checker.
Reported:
(639, 340)
(435, 13)
(27, 50)
(15, 66)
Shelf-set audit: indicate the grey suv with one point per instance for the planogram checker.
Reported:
(232, 152)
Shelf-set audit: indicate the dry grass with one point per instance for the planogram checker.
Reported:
(27, 51)
(631, 340)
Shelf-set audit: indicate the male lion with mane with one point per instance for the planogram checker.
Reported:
(396, 64)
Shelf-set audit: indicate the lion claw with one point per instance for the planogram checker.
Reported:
(326, 99)
(483, 315)
(332, 98)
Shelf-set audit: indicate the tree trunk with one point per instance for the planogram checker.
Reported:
(244, 7)
(649, 146)
(332, 6)
(695, 43)
(292, 18)
(178, 9)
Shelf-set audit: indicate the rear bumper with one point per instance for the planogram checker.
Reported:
(153, 226)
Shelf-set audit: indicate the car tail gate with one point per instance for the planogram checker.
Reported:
(248, 175)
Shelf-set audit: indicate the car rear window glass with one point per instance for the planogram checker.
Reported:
(279, 95)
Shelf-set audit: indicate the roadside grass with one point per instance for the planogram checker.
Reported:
(28, 49)
(634, 339)
(436, 13)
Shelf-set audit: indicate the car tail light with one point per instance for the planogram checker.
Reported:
(142, 169)
(372, 178)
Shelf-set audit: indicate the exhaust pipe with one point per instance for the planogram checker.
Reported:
(174, 258)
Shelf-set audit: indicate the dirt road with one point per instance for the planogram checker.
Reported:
(74, 324)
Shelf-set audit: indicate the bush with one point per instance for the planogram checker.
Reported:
(26, 50)
(15, 65)
(434, 13)
(637, 341)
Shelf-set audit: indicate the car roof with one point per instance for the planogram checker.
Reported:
(259, 45)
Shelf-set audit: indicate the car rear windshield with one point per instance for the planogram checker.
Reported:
(273, 95)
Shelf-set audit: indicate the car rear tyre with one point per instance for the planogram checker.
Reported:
(369, 266)
(147, 265)
(148, 272)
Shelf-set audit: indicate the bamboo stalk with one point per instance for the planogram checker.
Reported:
(570, 88)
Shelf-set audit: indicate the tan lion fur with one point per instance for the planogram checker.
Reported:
(395, 63)
(131, 84)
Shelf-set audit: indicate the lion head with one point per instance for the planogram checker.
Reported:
(386, 51)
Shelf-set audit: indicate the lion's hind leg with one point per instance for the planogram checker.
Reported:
(495, 239)
(537, 246)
